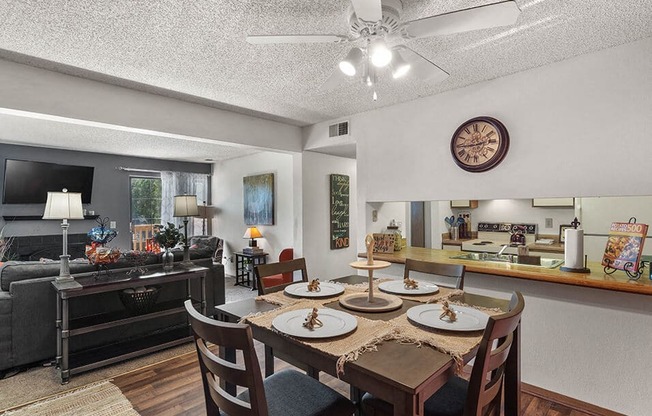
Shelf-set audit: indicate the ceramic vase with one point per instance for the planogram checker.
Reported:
(168, 259)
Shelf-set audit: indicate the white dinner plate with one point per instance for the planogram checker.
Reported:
(327, 289)
(468, 319)
(398, 288)
(335, 322)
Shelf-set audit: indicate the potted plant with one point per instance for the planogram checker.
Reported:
(168, 237)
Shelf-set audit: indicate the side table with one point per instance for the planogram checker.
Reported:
(244, 268)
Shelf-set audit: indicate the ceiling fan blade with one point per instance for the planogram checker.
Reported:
(492, 15)
(336, 79)
(368, 10)
(266, 39)
(422, 67)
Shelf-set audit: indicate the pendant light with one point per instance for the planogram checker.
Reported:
(379, 53)
(399, 66)
(348, 65)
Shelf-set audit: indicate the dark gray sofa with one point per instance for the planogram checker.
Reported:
(28, 307)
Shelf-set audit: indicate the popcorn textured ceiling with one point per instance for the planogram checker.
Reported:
(198, 47)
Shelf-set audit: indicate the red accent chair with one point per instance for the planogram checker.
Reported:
(279, 279)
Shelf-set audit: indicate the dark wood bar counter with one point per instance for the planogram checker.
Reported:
(617, 281)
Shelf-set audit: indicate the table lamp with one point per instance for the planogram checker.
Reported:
(185, 206)
(204, 212)
(64, 206)
(252, 233)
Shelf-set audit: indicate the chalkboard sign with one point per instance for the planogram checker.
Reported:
(339, 211)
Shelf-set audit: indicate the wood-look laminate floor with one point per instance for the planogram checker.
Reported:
(174, 387)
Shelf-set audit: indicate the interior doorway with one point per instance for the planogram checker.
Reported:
(417, 224)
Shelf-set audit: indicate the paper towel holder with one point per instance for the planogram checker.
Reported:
(575, 223)
(578, 270)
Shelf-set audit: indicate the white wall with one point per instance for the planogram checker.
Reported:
(321, 261)
(228, 223)
(568, 123)
(386, 212)
(36, 90)
(577, 129)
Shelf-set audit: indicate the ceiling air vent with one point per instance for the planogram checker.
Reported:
(338, 129)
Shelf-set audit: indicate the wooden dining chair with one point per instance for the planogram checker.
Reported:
(482, 394)
(450, 272)
(280, 268)
(287, 393)
(286, 254)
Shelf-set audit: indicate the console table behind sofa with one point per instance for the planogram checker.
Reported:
(28, 309)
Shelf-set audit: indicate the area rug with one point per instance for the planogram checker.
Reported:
(97, 399)
(38, 382)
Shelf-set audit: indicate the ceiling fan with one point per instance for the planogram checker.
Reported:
(379, 35)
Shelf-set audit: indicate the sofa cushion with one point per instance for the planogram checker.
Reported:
(206, 244)
(203, 241)
(15, 271)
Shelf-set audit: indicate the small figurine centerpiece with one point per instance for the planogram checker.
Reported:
(447, 312)
(311, 322)
(313, 286)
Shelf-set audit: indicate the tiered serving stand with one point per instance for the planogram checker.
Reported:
(370, 302)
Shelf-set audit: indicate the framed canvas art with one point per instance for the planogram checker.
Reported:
(258, 194)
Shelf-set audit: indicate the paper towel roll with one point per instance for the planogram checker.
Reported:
(574, 248)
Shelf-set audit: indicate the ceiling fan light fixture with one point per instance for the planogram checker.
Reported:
(380, 54)
(348, 65)
(399, 66)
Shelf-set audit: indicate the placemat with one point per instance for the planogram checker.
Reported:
(366, 337)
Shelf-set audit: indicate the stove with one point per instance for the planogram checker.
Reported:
(492, 237)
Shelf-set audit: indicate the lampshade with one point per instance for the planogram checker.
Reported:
(185, 206)
(348, 65)
(63, 205)
(399, 66)
(379, 53)
(252, 232)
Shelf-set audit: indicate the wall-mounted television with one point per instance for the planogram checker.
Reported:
(28, 182)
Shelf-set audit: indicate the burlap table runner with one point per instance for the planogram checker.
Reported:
(370, 333)
(282, 299)
(444, 293)
(456, 344)
(366, 336)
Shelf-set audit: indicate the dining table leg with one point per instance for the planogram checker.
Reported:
(513, 376)
(269, 361)
(407, 405)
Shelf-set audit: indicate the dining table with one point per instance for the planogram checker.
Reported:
(403, 374)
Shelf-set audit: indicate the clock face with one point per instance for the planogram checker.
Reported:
(479, 144)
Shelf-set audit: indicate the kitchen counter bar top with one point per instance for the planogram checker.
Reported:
(617, 281)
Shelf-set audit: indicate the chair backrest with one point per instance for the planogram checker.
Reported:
(285, 255)
(453, 271)
(488, 374)
(263, 270)
(216, 371)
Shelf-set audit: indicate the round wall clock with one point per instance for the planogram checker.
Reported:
(479, 144)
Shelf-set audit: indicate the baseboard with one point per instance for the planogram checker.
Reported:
(574, 404)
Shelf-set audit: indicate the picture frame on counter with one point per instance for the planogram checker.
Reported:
(562, 229)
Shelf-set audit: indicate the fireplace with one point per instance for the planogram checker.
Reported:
(35, 247)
